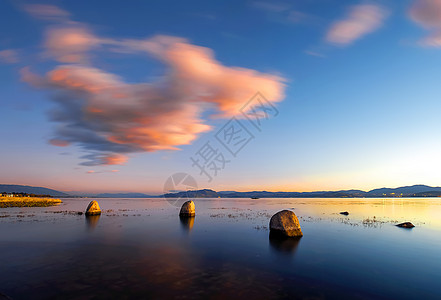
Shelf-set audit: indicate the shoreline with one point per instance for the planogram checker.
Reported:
(28, 202)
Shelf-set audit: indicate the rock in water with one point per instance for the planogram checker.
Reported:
(188, 209)
(93, 209)
(406, 225)
(344, 213)
(285, 223)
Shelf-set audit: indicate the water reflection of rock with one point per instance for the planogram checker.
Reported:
(92, 222)
(187, 223)
(284, 245)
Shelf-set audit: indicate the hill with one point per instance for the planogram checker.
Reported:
(14, 188)
(418, 190)
(123, 195)
(405, 191)
(205, 193)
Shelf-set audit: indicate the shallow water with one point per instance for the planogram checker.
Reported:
(140, 248)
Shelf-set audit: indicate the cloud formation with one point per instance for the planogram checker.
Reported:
(70, 44)
(46, 12)
(111, 118)
(9, 56)
(361, 20)
(283, 12)
(427, 13)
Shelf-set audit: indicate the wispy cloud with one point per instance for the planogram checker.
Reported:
(282, 12)
(314, 53)
(427, 13)
(111, 118)
(9, 56)
(99, 172)
(361, 20)
(272, 6)
(70, 44)
(46, 12)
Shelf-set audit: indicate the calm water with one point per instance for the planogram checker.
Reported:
(139, 248)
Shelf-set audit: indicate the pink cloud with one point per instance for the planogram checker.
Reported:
(70, 44)
(99, 172)
(111, 118)
(427, 13)
(46, 12)
(9, 56)
(113, 159)
(361, 20)
(59, 143)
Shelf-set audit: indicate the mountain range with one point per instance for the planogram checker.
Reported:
(405, 191)
(13, 188)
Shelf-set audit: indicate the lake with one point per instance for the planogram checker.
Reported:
(140, 248)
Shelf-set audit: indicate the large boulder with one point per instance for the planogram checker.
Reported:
(285, 223)
(93, 209)
(188, 209)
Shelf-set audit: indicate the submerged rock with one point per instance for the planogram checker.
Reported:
(406, 225)
(188, 209)
(285, 223)
(93, 209)
(344, 213)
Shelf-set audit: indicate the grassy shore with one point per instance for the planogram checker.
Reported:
(27, 202)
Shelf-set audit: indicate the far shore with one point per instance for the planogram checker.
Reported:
(28, 202)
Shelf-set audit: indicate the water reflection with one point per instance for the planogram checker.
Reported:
(92, 222)
(187, 223)
(284, 245)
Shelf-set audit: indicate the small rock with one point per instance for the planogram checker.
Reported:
(344, 213)
(80, 213)
(188, 209)
(93, 209)
(285, 223)
(406, 225)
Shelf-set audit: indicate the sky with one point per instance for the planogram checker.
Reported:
(112, 96)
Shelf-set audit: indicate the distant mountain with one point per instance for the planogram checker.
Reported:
(14, 188)
(265, 194)
(123, 195)
(406, 191)
(206, 193)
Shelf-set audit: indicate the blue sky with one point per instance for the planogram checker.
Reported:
(355, 84)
